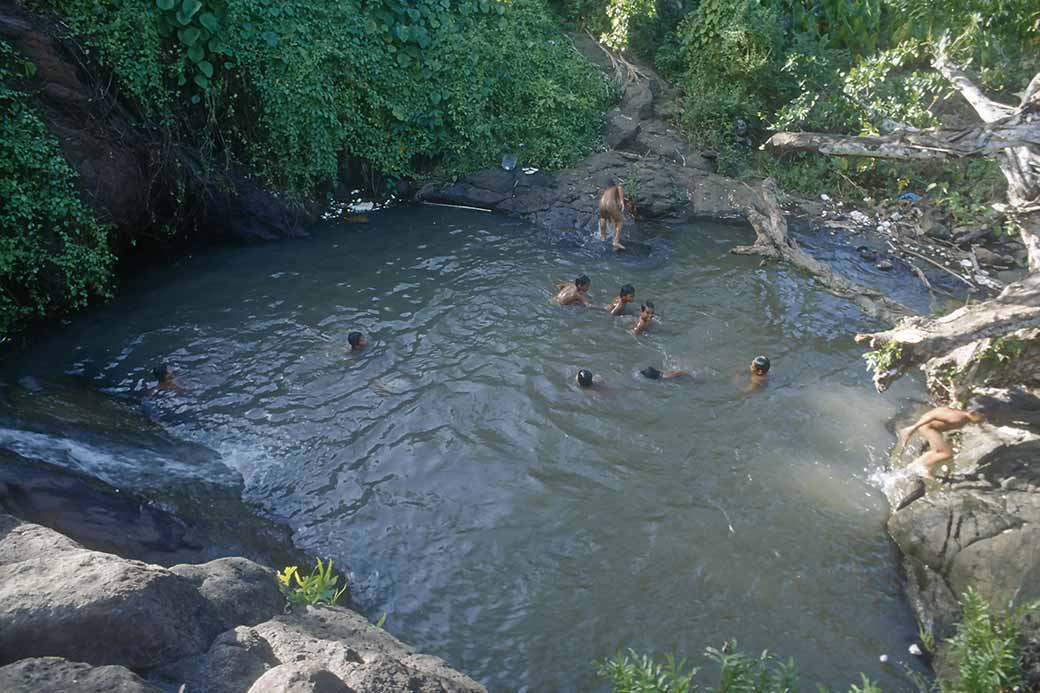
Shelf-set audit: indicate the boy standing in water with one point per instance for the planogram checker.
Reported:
(624, 297)
(575, 292)
(932, 426)
(646, 315)
(756, 376)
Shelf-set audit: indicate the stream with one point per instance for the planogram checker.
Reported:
(503, 519)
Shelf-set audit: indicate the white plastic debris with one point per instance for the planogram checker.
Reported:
(825, 197)
(914, 649)
(966, 263)
(859, 217)
(883, 658)
(896, 216)
(529, 170)
(362, 206)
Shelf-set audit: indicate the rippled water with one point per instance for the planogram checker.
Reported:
(504, 520)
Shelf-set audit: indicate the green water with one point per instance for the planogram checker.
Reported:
(504, 520)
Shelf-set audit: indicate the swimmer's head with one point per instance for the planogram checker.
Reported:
(162, 373)
(651, 372)
(357, 341)
(584, 378)
(760, 366)
(979, 408)
(627, 292)
(582, 283)
(646, 311)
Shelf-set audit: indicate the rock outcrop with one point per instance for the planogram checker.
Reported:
(72, 619)
(979, 529)
(664, 176)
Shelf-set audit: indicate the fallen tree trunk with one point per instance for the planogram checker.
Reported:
(919, 340)
(764, 214)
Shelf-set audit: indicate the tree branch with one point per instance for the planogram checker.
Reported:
(988, 109)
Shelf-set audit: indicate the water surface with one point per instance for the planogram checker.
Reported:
(503, 519)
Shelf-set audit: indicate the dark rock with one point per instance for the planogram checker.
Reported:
(620, 130)
(461, 194)
(988, 257)
(493, 179)
(867, 253)
(968, 237)
(638, 100)
(240, 591)
(58, 606)
(57, 675)
(301, 678)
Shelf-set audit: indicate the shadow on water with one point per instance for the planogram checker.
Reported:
(506, 521)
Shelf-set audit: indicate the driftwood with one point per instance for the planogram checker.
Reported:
(921, 339)
(772, 241)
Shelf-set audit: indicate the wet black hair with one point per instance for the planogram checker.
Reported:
(585, 378)
(582, 280)
(627, 289)
(161, 371)
(651, 372)
(761, 363)
(353, 339)
(648, 304)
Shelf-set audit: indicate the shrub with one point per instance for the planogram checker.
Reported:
(54, 254)
(319, 587)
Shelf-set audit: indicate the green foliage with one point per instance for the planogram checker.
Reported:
(738, 673)
(54, 254)
(319, 587)
(633, 673)
(1002, 352)
(293, 88)
(884, 359)
(986, 649)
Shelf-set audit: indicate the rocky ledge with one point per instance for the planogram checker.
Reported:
(73, 619)
(980, 528)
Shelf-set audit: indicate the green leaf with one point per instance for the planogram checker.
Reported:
(202, 82)
(196, 53)
(209, 20)
(270, 37)
(190, 7)
(165, 5)
(205, 68)
(189, 36)
(183, 19)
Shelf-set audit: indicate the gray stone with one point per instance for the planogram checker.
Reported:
(57, 675)
(301, 678)
(236, 659)
(101, 609)
(241, 591)
(620, 130)
(21, 541)
(494, 179)
(344, 643)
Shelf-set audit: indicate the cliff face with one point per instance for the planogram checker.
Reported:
(72, 616)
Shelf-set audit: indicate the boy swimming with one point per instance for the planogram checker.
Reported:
(646, 315)
(654, 374)
(625, 296)
(575, 292)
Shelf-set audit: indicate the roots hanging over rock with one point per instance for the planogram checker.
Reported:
(762, 210)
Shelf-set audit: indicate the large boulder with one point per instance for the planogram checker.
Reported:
(366, 658)
(57, 675)
(236, 659)
(101, 609)
(241, 592)
(20, 541)
(300, 678)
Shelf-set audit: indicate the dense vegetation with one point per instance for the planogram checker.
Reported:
(295, 91)
(53, 253)
(985, 655)
(747, 67)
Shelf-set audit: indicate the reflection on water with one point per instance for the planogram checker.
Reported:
(506, 521)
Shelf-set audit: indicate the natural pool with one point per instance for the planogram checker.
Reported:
(503, 519)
